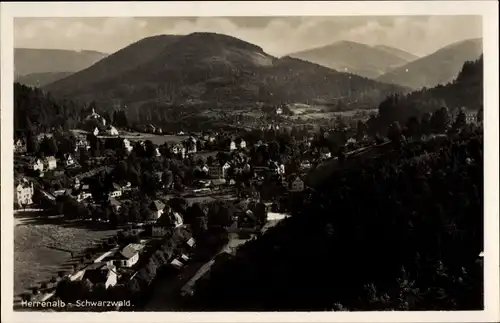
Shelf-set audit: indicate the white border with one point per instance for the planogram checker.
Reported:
(487, 9)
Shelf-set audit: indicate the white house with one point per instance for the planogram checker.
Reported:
(24, 192)
(116, 191)
(279, 111)
(128, 256)
(157, 152)
(83, 196)
(158, 208)
(225, 168)
(126, 144)
(51, 162)
(68, 159)
(101, 273)
(177, 219)
(297, 185)
(96, 131)
(232, 145)
(37, 164)
(243, 144)
(205, 169)
(281, 169)
(115, 205)
(112, 131)
(19, 146)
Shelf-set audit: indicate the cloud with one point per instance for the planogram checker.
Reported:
(276, 35)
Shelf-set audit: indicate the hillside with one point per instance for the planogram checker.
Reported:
(355, 58)
(29, 61)
(42, 79)
(207, 67)
(466, 91)
(398, 52)
(387, 234)
(440, 67)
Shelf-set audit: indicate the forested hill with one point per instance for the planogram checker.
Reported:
(35, 110)
(208, 67)
(401, 231)
(466, 91)
(439, 67)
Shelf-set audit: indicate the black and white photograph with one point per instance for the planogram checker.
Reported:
(332, 163)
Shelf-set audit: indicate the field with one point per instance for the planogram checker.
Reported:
(134, 136)
(34, 259)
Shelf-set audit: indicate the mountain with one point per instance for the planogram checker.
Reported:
(29, 61)
(208, 67)
(41, 79)
(397, 52)
(356, 58)
(440, 67)
(466, 91)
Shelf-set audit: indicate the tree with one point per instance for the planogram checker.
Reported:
(395, 133)
(413, 127)
(440, 120)
(460, 120)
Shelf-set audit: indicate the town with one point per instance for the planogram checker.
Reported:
(199, 173)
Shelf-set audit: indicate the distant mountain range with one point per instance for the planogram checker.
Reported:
(440, 67)
(357, 58)
(29, 61)
(42, 79)
(209, 67)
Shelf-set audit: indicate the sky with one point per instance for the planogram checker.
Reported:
(419, 35)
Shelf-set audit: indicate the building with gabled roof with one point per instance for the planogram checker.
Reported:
(101, 273)
(158, 207)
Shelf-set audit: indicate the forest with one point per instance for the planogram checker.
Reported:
(403, 231)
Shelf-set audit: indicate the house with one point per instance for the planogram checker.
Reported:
(177, 219)
(305, 164)
(232, 146)
(158, 230)
(24, 193)
(82, 144)
(225, 169)
(50, 162)
(191, 242)
(205, 169)
(297, 185)
(217, 183)
(81, 196)
(281, 169)
(93, 115)
(37, 164)
(159, 131)
(158, 208)
(59, 192)
(215, 171)
(19, 146)
(157, 152)
(76, 183)
(112, 131)
(126, 144)
(279, 111)
(126, 187)
(68, 159)
(116, 191)
(177, 263)
(128, 256)
(115, 205)
(243, 144)
(180, 133)
(150, 128)
(96, 131)
(101, 273)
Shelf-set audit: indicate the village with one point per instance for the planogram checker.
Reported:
(89, 175)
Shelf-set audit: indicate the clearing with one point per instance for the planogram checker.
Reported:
(34, 259)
